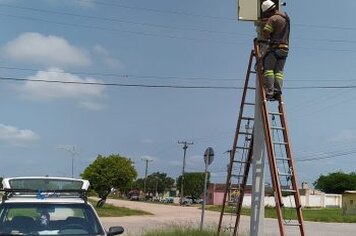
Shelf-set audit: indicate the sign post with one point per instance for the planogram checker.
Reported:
(208, 159)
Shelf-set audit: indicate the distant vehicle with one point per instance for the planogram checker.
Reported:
(187, 201)
(49, 206)
(168, 200)
(197, 201)
(134, 195)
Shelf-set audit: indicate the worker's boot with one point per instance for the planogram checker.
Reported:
(278, 89)
(268, 84)
(269, 94)
(277, 94)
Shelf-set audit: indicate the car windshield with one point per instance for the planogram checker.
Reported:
(48, 219)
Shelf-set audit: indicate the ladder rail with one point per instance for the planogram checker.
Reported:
(292, 164)
(234, 146)
(269, 144)
(242, 192)
(278, 153)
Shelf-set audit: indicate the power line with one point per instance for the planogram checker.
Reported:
(343, 153)
(163, 77)
(210, 16)
(161, 11)
(126, 76)
(117, 20)
(119, 84)
(118, 30)
(162, 86)
(155, 25)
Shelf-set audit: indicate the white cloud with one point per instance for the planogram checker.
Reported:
(45, 50)
(85, 95)
(16, 136)
(104, 55)
(85, 3)
(90, 105)
(345, 136)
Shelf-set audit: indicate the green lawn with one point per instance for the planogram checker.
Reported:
(310, 214)
(177, 230)
(109, 210)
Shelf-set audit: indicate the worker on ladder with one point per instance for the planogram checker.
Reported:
(276, 34)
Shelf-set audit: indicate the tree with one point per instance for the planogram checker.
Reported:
(336, 182)
(156, 183)
(106, 173)
(193, 184)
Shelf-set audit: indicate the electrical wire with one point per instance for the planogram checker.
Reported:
(118, 30)
(118, 84)
(155, 25)
(108, 19)
(125, 76)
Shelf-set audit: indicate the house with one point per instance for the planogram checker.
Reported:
(309, 197)
(349, 203)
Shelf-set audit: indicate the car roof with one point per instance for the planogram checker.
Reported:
(15, 182)
(45, 189)
(46, 200)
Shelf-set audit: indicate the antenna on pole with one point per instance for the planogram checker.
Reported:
(73, 151)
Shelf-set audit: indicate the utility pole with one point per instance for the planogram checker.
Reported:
(185, 147)
(72, 150)
(146, 160)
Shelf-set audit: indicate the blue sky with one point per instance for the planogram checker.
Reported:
(164, 43)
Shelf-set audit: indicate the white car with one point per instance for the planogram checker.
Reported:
(49, 206)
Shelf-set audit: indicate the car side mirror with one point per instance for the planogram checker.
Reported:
(115, 230)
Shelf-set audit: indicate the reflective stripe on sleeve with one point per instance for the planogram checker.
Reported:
(279, 75)
(268, 28)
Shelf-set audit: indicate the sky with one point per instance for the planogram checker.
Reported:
(130, 77)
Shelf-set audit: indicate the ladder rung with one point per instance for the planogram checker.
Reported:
(249, 103)
(277, 128)
(253, 88)
(246, 133)
(275, 113)
(288, 190)
(280, 143)
(237, 176)
(244, 148)
(247, 118)
(285, 174)
(253, 72)
(242, 162)
(291, 224)
(282, 159)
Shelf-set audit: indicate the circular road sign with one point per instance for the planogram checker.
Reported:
(209, 155)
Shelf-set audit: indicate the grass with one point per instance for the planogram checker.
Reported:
(109, 210)
(310, 214)
(176, 230)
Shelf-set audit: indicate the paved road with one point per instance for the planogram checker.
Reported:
(166, 215)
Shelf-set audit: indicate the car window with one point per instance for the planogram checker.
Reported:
(48, 219)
